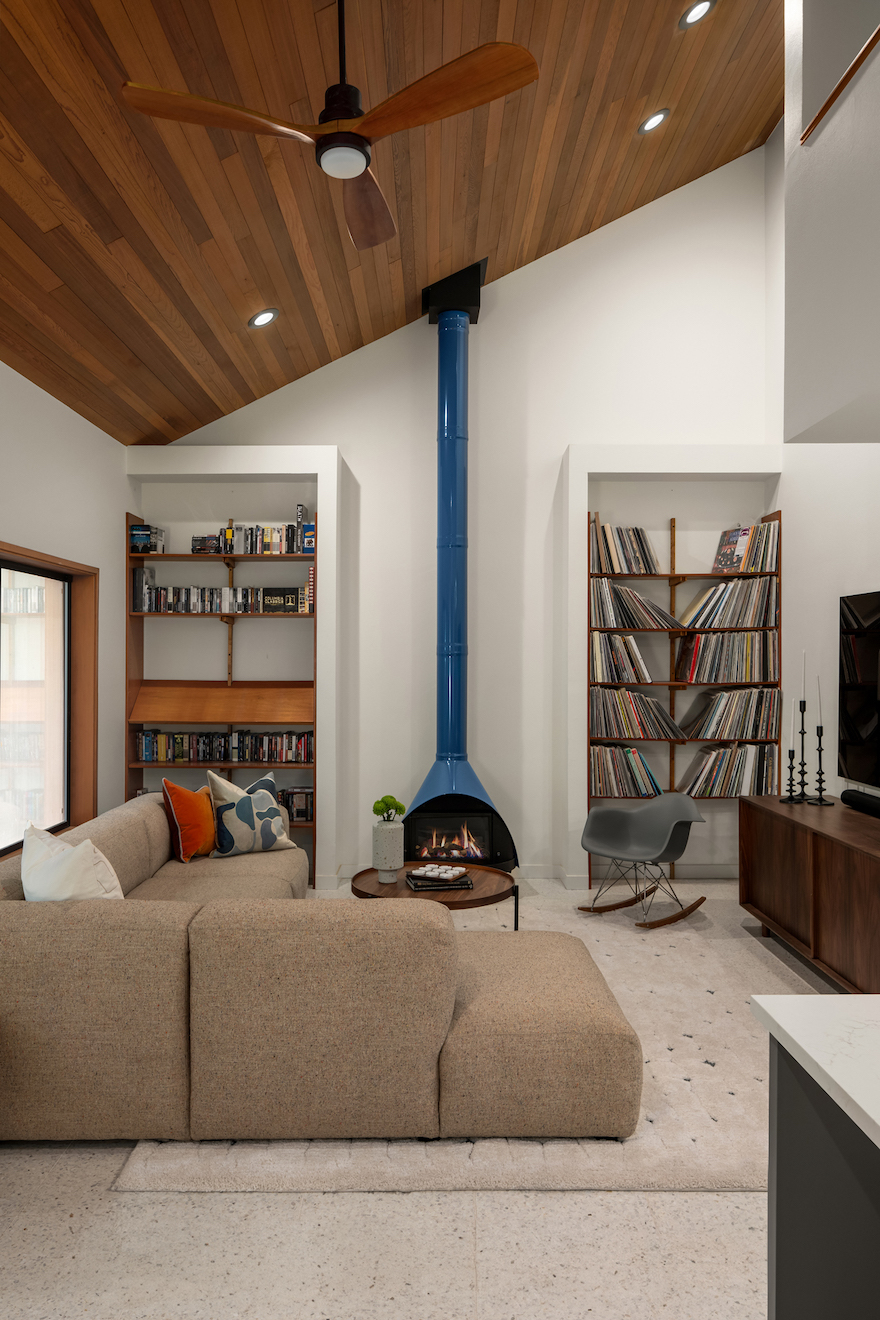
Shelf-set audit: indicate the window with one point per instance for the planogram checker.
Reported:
(48, 692)
(34, 704)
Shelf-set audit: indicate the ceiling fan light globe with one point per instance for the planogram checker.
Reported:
(343, 162)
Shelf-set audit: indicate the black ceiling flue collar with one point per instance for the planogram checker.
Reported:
(457, 293)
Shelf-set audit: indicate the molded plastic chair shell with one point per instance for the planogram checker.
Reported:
(654, 831)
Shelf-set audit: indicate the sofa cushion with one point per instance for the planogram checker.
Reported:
(318, 1019)
(247, 819)
(259, 875)
(94, 1023)
(539, 1046)
(190, 820)
(53, 870)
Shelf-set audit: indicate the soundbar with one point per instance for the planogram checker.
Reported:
(859, 801)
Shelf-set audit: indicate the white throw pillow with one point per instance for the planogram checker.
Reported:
(52, 870)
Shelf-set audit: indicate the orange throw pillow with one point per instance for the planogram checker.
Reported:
(191, 818)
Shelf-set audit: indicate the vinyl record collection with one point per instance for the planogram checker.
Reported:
(739, 657)
(620, 772)
(616, 659)
(738, 604)
(613, 606)
(724, 771)
(748, 549)
(297, 748)
(619, 713)
(621, 549)
(751, 713)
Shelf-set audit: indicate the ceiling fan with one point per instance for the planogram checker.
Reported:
(343, 134)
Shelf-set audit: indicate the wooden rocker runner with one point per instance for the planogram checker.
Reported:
(638, 843)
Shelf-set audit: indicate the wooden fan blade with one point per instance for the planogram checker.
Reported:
(366, 212)
(212, 114)
(473, 79)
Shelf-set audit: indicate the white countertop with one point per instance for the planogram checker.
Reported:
(836, 1039)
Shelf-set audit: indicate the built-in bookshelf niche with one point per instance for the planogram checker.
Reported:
(221, 642)
(684, 658)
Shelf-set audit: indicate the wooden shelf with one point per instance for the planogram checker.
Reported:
(680, 632)
(221, 765)
(683, 683)
(209, 614)
(675, 578)
(167, 701)
(678, 742)
(222, 558)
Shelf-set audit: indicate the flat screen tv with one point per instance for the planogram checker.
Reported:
(858, 708)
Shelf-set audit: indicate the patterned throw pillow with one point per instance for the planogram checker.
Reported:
(191, 820)
(247, 819)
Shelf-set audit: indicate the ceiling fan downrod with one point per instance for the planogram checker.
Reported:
(342, 155)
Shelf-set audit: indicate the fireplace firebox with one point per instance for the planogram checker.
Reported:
(456, 826)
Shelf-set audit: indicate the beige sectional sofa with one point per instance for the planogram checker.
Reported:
(231, 1018)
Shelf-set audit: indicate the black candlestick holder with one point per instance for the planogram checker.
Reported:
(802, 772)
(791, 797)
(821, 800)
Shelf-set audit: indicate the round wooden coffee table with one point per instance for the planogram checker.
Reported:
(490, 886)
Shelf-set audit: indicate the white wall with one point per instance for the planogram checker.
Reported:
(832, 212)
(64, 491)
(651, 330)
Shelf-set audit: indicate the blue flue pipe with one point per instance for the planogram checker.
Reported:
(451, 771)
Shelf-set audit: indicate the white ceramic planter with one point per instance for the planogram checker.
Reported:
(388, 849)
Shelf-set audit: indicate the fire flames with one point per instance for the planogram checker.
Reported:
(443, 844)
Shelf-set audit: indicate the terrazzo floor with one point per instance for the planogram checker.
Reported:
(72, 1248)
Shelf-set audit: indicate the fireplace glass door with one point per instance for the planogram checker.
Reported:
(454, 836)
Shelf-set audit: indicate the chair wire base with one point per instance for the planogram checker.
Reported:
(645, 879)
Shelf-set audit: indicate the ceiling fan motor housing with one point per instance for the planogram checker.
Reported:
(343, 155)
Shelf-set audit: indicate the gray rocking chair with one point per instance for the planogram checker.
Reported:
(638, 842)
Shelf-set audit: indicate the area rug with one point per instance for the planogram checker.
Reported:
(703, 1124)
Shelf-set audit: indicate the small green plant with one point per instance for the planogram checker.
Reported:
(388, 807)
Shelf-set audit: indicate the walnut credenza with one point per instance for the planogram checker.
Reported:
(811, 875)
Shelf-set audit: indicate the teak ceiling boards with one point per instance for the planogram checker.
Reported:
(133, 251)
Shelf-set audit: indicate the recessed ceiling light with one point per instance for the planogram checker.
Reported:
(654, 122)
(694, 13)
(263, 318)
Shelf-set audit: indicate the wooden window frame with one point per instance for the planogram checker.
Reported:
(83, 676)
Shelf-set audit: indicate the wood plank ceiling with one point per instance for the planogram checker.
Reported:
(133, 251)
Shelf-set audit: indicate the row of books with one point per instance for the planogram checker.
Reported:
(147, 598)
(23, 600)
(740, 604)
(748, 549)
(613, 606)
(299, 802)
(725, 771)
(242, 745)
(143, 539)
(738, 657)
(621, 549)
(621, 772)
(294, 538)
(748, 713)
(619, 713)
(616, 658)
